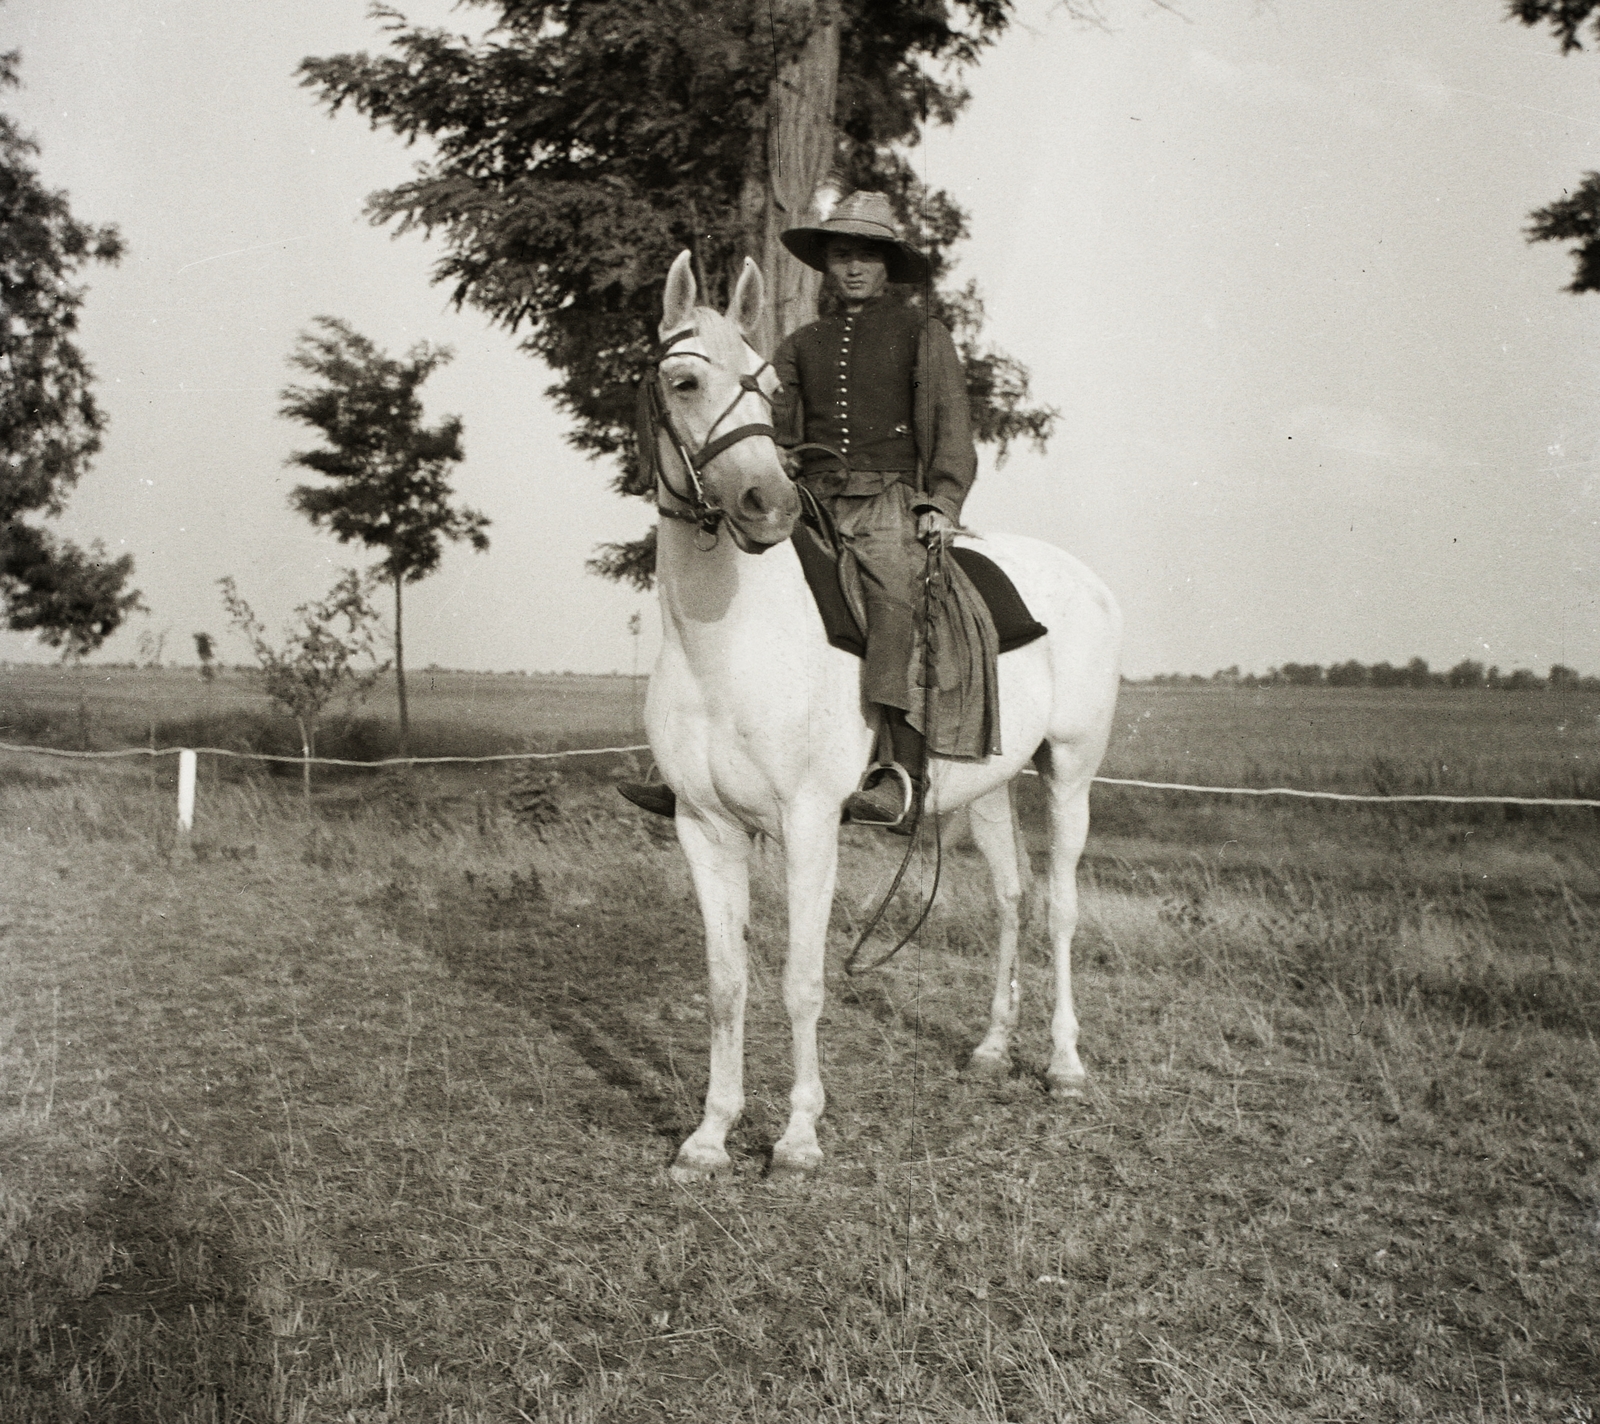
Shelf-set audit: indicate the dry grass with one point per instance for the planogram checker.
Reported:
(369, 1120)
(1361, 739)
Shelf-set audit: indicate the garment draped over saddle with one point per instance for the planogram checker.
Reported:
(974, 614)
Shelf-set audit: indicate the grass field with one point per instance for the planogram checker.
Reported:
(1338, 739)
(452, 714)
(366, 1117)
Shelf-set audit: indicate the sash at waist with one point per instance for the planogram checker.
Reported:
(831, 484)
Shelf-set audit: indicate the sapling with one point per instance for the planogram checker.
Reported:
(318, 659)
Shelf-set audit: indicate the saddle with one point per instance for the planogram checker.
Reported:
(817, 544)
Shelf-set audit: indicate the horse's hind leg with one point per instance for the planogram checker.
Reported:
(994, 830)
(719, 860)
(1068, 789)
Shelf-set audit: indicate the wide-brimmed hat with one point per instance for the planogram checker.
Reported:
(865, 215)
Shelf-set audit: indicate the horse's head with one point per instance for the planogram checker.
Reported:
(715, 447)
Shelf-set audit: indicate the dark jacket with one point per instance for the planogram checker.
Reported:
(886, 387)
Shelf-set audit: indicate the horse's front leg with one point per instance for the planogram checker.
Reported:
(811, 845)
(719, 860)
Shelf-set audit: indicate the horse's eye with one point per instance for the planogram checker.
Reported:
(685, 384)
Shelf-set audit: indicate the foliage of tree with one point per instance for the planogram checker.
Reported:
(1566, 18)
(582, 143)
(1301, 674)
(319, 656)
(50, 425)
(1575, 216)
(388, 473)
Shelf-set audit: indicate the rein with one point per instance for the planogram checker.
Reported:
(655, 417)
(933, 572)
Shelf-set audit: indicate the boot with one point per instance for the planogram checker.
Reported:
(652, 796)
(882, 799)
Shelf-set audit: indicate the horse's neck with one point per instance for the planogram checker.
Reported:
(722, 605)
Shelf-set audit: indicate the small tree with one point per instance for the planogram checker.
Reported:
(1466, 673)
(205, 649)
(317, 661)
(387, 472)
(152, 647)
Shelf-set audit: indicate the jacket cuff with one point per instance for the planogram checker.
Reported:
(949, 508)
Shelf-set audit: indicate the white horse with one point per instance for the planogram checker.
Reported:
(757, 722)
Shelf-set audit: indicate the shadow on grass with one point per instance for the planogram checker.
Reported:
(122, 1310)
(589, 974)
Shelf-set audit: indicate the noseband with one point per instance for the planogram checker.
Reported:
(654, 416)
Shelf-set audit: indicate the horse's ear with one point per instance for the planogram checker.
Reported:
(677, 305)
(744, 310)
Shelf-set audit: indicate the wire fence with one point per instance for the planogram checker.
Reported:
(1352, 795)
(1290, 791)
(316, 761)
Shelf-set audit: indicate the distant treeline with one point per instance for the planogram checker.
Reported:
(1416, 673)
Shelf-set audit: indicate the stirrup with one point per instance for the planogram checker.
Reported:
(908, 795)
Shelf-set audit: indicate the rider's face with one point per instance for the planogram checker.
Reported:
(857, 268)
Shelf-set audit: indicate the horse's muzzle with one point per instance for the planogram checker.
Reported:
(764, 515)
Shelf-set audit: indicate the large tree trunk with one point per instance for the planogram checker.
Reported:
(400, 671)
(787, 169)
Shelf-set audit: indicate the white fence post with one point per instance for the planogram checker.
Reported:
(186, 770)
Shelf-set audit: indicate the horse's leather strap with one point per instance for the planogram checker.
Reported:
(707, 453)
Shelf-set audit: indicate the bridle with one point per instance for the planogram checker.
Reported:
(654, 416)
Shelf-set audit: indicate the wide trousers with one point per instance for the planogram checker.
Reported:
(881, 531)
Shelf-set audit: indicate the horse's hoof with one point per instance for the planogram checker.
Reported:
(698, 1166)
(1066, 1086)
(793, 1167)
(987, 1068)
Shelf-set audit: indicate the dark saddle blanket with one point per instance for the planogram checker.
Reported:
(815, 542)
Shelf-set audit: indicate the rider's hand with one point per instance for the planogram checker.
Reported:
(935, 524)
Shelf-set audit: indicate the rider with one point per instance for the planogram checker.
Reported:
(879, 381)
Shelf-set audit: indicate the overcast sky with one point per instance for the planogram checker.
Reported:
(1319, 399)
